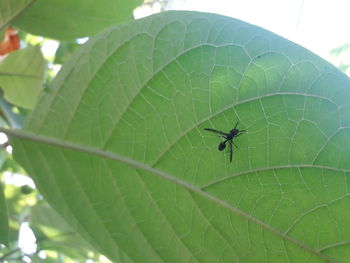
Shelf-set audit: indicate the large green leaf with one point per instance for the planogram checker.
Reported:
(21, 76)
(118, 147)
(67, 19)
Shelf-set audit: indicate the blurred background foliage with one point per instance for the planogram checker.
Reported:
(339, 56)
(30, 230)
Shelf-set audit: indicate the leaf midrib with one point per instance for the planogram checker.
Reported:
(116, 157)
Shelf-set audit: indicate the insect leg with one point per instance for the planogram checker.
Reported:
(239, 133)
(234, 144)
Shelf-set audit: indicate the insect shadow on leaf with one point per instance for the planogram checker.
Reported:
(228, 138)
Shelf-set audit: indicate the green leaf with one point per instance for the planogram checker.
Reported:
(4, 225)
(21, 75)
(10, 9)
(119, 147)
(67, 19)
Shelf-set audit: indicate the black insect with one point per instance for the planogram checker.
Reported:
(228, 138)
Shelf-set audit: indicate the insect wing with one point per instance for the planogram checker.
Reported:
(230, 149)
(216, 131)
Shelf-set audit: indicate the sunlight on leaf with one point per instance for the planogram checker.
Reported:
(119, 147)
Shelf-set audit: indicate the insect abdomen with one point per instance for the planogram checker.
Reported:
(222, 146)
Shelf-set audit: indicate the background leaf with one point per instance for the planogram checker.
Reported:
(66, 19)
(118, 147)
(4, 226)
(4, 218)
(54, 233)
(21, 76)
(15, 120)
(10, 9)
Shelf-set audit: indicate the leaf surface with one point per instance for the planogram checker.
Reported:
(119, 146)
